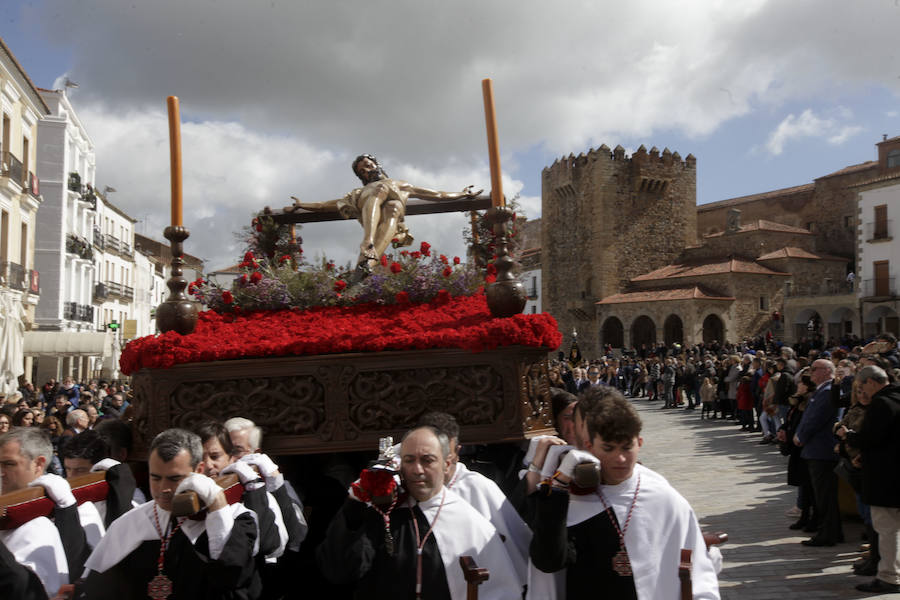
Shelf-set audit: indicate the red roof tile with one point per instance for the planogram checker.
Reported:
(699, 269)
(764, 225)
(871, 164)
(807, 187)
(793, 252)
(685, 293)
(880, 179)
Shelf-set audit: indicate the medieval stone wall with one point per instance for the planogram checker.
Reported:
(748, 244)
(793, 206)
(607, 218)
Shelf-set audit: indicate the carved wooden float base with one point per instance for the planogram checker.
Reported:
(344, 402)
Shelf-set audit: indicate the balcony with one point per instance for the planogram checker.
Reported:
(79, 246)
(85, 313)
(74, 182)
(73, 311)
(532, 292)
(879, 288)
(101, 292)
(12, 167)
(822, 288)
(99, 240)
(878, 231)
(12, 275)
(127, 292)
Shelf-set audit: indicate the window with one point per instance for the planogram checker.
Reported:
(764, 303)
(4, 235)
(533, 309)
(893, 159)
(811, 226)
(848, 222)
(881, 224)
(23, 247)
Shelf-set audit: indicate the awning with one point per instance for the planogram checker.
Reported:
(67, 343)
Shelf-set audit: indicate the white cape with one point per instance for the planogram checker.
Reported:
(137, 526)
(37, 545)
(92, 521)
(662, 524)
(462, 531)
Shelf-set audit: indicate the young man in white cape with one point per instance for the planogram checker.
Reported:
(414, 553)
(624, 538)
(148, 552)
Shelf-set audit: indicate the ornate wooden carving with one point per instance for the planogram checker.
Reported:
(313, 404)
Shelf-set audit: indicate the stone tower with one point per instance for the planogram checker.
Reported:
(607, 218)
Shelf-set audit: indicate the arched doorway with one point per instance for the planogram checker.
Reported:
(613, 333)
(807, 324)
(673, 330)
(713, 329)
(643, 332)
(881, 319)
(840, 323)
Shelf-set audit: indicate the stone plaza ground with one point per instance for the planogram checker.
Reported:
(739, 487)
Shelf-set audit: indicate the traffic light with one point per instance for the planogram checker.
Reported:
(114, 325)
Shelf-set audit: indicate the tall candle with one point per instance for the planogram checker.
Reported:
(175, 158)
(490, 121)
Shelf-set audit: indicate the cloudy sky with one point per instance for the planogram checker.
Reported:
(278, 96)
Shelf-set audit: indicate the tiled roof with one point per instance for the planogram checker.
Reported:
(793, 252)
(235, 268)
(700, 269)
(684, 293)
(807, 187)
(887, 177)
(852, 169)
(764, 225)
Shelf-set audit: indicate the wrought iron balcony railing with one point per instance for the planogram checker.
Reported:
(879, 288)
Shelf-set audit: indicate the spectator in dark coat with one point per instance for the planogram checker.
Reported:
(879, 442)
(817, 442)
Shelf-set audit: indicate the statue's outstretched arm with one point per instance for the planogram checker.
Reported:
(327, 206)
(434, 195)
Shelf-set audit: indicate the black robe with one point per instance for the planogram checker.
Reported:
(354, 551)
(121, 484)
(194, 575)
(585, 549)
(74, 541)
(16, 581)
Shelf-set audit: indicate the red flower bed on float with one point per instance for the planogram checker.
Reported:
(462, 322)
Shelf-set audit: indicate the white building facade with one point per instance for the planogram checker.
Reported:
(878, 257)
(21, 108)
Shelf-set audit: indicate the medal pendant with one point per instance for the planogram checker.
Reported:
(388, 542)
(160, 587)
(621, 565)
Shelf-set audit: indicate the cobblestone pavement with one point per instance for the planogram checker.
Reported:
(737, 486)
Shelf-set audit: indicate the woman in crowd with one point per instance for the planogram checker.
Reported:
(23, 418)
(5, 422)
(798, 472)
(55, 428)
(744, 395)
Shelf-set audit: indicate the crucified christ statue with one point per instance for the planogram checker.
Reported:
(379, 205)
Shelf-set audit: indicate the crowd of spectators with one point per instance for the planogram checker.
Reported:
(64, 409)
(832, 408)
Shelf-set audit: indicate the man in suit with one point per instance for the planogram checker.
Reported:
(815, 438)
(878, 439)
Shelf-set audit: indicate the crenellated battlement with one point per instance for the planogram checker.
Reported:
(640, 156)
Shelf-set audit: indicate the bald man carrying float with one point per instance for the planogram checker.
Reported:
(430, 528)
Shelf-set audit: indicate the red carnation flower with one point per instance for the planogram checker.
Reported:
(339, 285)
(443, 297)
(448, 271)
(284, 258)
(227, 297)
(455, 260)
(248, 257)
(256, 277)
(416, 255)
(425, 248)
(404, 253)
(402, 298)
(491, 269)
(191, 289)
(444, 259)
(396, 267)
(490, 279)
(329, 266)
(384, 260)
(243, 280)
